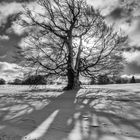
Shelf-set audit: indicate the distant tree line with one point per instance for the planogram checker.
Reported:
(104, 79)
(30, 80)
(39, 80)
(43, 80)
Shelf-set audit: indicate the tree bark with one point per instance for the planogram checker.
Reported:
(73, 80)
(72, 75)
(76, 80)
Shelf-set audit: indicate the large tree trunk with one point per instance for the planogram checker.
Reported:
(76, 81)
(72, 75)
(73, 80)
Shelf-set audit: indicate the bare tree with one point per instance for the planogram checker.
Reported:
(70, 38)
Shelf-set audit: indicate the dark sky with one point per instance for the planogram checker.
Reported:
(124, 14)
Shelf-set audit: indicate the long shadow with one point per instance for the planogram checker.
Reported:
(69, 116)
(117, 116)
(51, 121)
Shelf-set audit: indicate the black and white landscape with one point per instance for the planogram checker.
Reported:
(69, 69)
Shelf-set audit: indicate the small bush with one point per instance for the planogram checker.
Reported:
(103, 79)
(34, 80)
(93, 81)
(133, 80)
(118, 80)
(2, 82)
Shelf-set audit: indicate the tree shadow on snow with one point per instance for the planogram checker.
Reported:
(50, 121)
(89, 116)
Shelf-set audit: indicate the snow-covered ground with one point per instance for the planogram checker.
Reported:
(97, 112)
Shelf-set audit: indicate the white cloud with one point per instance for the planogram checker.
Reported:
(132, 57)
(131, 29)
(125, 15)
(35, 8)
(10, 8)
(7, 9)
(106, 6)
(4, 37)
(24, 43)
(129, 76)
(6, 65)
(134, 32)
(17, 29)
(9, 71)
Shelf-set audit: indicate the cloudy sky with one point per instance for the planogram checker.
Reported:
(124, 14)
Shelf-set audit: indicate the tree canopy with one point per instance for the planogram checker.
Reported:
(70, 38)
